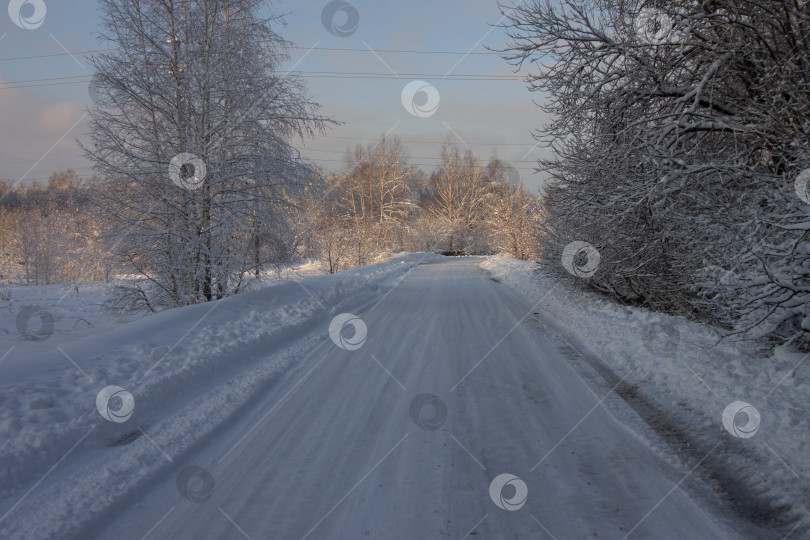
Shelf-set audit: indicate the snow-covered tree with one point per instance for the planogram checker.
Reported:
(192, 135)
(375, 196)
(457, 200)
(513, 214)
(48, 234)
(679, 130)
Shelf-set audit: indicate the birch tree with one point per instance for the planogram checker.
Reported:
(457, 199)
(192, 135)
(376, 195)
(513, 213)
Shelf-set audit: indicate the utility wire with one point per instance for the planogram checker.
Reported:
(414, 157)
(398, 51)
(347, 75)
(302, 149)
(335, 49)
(468, 143)
(301, 72)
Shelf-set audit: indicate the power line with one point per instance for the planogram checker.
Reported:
(412, 156)
(301, 72)
(13, 87)
(304, 149)
(399, 51)
(426, 77)
(47, 79)
(426, 142)
(407, 74)
(77, 170)
(337, 75)
(88, 170)
(46, 159)
(335, 49)
(422, 164)
(74, 53)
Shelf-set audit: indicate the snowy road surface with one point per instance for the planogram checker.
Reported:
(333, 448)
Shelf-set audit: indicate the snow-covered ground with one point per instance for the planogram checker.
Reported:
(35, 320)
(49, 384)
(257, 417)
(686, 370)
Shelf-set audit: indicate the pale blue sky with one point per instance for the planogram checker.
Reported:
(485, 114)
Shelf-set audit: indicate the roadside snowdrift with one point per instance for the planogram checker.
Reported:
(188, 370)
(679, 365)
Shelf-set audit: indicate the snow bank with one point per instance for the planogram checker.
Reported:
(188, 369)
(683, 367)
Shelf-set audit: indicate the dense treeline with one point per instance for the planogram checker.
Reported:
(680, 132)
(48, 234)
(378, 204)
(201, 187)
(381, 204)
(678, 176)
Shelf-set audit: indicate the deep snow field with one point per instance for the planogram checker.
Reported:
(191, 368)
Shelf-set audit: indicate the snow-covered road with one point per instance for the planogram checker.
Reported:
(334, 447)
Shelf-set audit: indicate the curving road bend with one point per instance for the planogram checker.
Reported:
(346, 447)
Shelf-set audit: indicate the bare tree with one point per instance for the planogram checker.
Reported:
(678, 131)
(457, 200)
(48, 233)
(376, 195)
(513, 214)
(192, 87)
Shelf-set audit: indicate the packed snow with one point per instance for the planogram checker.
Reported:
(172, 362)
(692, 373)
(292, 429)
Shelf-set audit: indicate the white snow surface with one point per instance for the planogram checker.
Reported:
(203, 361)
(302, 438)
(687, 369)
